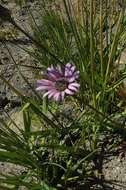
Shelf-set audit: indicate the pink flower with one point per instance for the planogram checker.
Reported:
(59, 81)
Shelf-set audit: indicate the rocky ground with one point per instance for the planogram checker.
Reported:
(15, 41)
(9, 100)
(115, 168)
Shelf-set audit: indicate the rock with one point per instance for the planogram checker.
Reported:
(10, 72)
(115, 173)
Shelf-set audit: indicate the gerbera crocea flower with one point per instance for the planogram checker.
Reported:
(59, 82)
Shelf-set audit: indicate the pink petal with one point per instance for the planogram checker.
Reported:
(71, 79)
(60, 69)
(44, 82)
(72, 88)
(67, 73)
(44, 87)
(73, 68)
(76, 74)
(57, 96)
(55, 73)
(67, 91)
(75, 85)
(68, 65)
(50, 68)
(46, 94)
(51, 93)
(52, 76)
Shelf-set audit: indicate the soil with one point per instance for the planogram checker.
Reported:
(114, 169)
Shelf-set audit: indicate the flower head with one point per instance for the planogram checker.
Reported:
(59, 81)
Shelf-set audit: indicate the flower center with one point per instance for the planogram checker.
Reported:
(61, 84)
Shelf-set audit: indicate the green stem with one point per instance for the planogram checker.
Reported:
(113, 47)
(106, 21)
(101, 39)
(92, 53)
